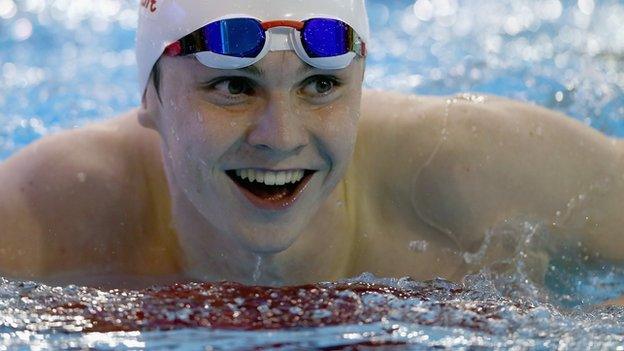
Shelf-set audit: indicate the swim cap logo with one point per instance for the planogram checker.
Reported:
(149, 5)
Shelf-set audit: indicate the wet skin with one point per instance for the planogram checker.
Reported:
(144, 198)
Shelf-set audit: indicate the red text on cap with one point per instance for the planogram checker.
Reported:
(149, 5)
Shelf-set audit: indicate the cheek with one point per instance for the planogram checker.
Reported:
(197, 137)
(200, 126)
(339, 127)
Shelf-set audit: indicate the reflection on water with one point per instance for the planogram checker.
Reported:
(64, 63)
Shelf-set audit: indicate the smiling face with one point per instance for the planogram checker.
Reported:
(257, 150)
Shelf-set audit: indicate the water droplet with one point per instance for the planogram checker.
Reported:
(418, 245)
(423, 9)
(22, 29)
(7, 9)
(82, 177)
(258, 271)
(586, 6)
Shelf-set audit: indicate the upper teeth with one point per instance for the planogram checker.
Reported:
(269, 177)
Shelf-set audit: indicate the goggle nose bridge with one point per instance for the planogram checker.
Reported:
(281, 38)
(298, 25)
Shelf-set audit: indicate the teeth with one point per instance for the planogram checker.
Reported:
(281, 178)
(269, 177)
(259, 176)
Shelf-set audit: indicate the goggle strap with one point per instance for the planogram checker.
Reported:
(173, 49)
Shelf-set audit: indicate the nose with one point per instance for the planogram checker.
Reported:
(279, 128)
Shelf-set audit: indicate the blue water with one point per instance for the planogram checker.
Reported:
(64, 63)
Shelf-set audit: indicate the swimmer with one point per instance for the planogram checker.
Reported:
(256, 157)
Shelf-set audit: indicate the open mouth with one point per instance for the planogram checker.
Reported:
(271, 189)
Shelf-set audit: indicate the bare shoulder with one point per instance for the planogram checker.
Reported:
(467, 162)
(379, 107)
(101, 151)
(389, 120)
(67, 198)
(422, 128)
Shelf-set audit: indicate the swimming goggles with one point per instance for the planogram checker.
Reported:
(235, 43)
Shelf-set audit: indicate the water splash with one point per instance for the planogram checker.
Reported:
(257, 274)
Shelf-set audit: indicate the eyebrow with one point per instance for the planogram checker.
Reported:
(259, 72)
(253, 70)
(305, 68)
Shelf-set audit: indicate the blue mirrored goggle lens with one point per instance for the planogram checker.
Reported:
(239, 37)
(325, 38)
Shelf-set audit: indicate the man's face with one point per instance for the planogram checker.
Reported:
(258, 150)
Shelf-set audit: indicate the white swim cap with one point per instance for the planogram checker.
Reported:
(162, 22)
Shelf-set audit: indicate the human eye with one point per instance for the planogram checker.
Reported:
(320, 88)
(230, 90)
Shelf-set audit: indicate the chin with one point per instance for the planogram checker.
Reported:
(266, 248)
(268, 241)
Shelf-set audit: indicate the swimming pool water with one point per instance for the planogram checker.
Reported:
(64, 63)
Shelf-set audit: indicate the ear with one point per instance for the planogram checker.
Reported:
(149, 111)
